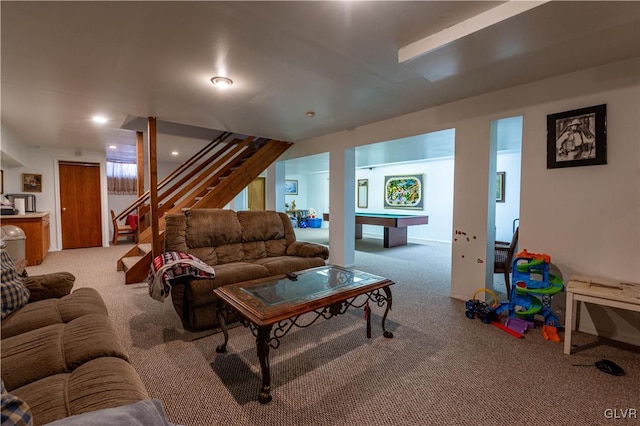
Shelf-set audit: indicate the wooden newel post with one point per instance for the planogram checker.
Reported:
(140, 177)
(156, 246)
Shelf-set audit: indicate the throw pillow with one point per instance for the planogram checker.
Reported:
(14, 410)
(13, 291)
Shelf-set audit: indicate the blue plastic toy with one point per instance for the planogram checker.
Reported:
(532, 291)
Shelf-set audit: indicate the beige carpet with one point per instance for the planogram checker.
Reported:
(440, 368)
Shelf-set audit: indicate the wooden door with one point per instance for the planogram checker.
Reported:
(80, 205)
(255, 194)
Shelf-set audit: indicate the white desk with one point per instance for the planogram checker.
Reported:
(599, 291)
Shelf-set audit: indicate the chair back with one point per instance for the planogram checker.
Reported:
(503, 258)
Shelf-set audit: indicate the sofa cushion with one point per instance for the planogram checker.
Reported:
(260, 226)
(82, 301)
(282, 264)
(58, 348)
(100, 383)
(12, 290)
(200, 291)
(204, 229)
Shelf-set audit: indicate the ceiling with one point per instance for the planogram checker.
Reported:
(63, 62)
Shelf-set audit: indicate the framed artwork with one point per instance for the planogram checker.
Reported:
(291, 187)
(500, 187)
(403, 192)
(577, 137)
(363, 193)
(31, 182)
(1, 181)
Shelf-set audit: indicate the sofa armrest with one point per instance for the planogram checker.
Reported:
(302, 249)
(49, 286)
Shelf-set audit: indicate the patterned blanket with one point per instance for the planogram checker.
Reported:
(172, 265)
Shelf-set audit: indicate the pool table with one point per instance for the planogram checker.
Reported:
(395, 225)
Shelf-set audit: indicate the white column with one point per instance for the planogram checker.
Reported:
(274, 187)
(342, 227)
(469, 266)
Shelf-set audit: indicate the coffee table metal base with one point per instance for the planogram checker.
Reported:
(265, 339)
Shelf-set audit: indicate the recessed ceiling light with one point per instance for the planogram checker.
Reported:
(221, 82)
(99, 119)
(113, 146)
(311, 114)
(174, 153)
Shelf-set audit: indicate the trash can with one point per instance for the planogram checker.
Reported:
(13, 241)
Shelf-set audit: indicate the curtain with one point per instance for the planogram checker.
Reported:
(121, 178)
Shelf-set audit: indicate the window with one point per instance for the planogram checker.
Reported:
(122, 178)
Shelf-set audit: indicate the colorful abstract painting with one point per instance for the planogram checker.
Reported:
(403, 192)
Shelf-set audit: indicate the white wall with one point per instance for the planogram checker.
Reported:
(44, 161)
(437, 180)
(12, 149)
(509, 210)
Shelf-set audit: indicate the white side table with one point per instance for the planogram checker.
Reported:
(599, 291)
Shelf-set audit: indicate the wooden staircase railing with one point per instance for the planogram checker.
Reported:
(210, 179)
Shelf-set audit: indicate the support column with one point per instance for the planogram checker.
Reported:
(470, 269)
(140, 162)
(156, 247)
(274, 187)
(140, 176)
(342, 175)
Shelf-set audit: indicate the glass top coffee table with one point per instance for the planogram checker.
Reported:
(270, 307)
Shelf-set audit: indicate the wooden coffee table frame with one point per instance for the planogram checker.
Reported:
(269, 328)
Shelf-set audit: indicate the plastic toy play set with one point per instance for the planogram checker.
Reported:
(531, 294)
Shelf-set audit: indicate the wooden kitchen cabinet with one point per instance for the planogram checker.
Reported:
(36, 228)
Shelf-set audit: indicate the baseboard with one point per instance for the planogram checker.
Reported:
(624, 336)
(411, 240)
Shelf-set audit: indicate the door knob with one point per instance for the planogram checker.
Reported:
(64, 209)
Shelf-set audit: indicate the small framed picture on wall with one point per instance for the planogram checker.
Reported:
(500, 187)
(31, 182)
(291, 187)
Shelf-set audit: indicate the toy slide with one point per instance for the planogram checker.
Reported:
(554, 287)
(524, 267)
(536, 306)
(508, 330)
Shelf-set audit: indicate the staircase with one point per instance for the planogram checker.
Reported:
(210, 179)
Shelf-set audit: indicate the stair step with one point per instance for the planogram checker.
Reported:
(144, 248)
(198, 198)
(128, 262)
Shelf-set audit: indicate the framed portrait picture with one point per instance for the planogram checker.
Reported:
(291, 187)
(500, 187)
(403, 192)
(31, 182)
(363, 193)
(577, 137)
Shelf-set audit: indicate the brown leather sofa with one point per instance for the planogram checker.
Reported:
(61, 354)
(240, 246)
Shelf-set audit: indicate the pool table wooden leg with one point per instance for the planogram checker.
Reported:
(394, 237)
